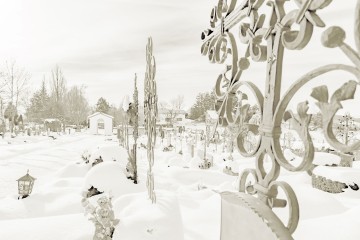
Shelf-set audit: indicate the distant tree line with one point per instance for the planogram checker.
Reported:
(204, 102)
(104, 106)
(53, 99)
(13, 94)
(57, 100)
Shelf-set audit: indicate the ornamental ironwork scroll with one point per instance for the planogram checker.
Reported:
(266, 37)
(151, 111)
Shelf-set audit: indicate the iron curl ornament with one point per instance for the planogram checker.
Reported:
(151, 111)
(266, 37)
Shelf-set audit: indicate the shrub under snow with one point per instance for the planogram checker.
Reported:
(110, 177)
(109, 153)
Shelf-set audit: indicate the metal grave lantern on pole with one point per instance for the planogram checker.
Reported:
(25, 185)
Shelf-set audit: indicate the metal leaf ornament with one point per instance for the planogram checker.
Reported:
(329, 110)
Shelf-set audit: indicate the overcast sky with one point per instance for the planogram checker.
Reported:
(101, 44)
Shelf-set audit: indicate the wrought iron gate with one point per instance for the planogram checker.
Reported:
(266, 36)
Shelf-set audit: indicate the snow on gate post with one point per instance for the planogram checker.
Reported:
(266, 42)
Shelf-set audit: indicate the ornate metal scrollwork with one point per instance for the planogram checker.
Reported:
(151, 110)
(290, 30)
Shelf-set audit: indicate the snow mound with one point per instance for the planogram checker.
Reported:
(233, 165)
(315, 203)
(46, 202)
(335, 228)
(110, 177)
(200, 154)
(176, 160)
(73, 170)
(210, 178)
(142, 220)
(323, 158)
(340, 174)
(195, 162)
(109, 153)
(356, 164)
(69, 226)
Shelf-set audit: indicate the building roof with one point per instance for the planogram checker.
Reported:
(97, 113)
(166, 110)
(50, 120)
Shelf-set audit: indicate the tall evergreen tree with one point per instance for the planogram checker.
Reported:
(10, 113)
(102, 106)
(204, 101)
(39, 105)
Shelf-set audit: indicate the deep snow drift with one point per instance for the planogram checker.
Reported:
(187, 207)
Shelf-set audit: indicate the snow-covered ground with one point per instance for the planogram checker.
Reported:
(187, 207)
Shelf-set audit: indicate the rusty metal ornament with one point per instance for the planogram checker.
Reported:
(266, 43)
(151, 112)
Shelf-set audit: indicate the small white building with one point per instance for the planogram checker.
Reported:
(100, 123)
(171, 117)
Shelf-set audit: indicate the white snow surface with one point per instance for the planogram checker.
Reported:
(110, 177)
(340, 174)
(323, 158)
(187, 207)
(140, 219)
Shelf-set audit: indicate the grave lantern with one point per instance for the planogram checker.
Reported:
(25, 185)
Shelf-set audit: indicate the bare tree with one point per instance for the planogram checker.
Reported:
(15, 84)
(57, 94)
(77, 107)
(58, 84)
(178, 102)
(172, 110)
